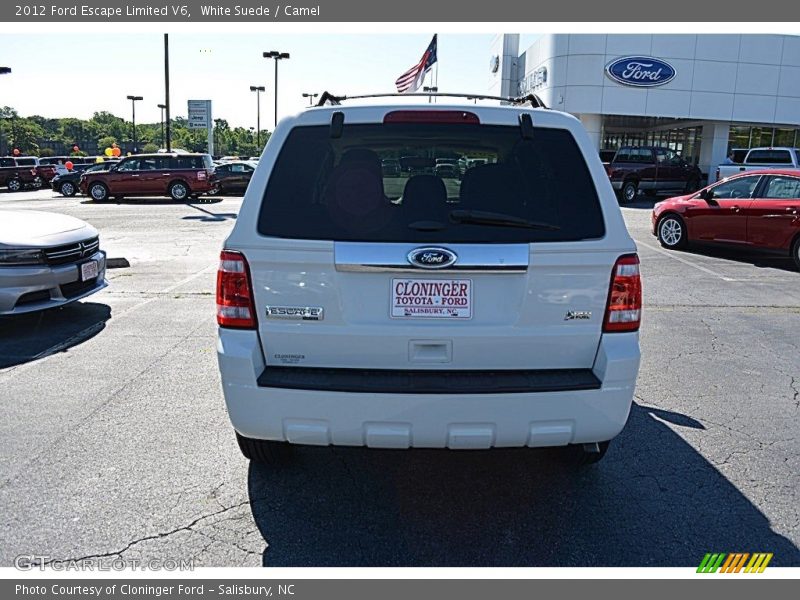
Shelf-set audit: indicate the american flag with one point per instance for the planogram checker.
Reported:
(412, 79)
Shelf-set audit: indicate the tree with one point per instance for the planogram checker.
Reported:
(149, 148)
(106, 142)
(25, 135)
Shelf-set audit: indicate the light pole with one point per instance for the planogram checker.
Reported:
(3, 71)
(166, 89)
(277, 56)
(310, 98)
(133, 100)
(258, 89)
(162, 107)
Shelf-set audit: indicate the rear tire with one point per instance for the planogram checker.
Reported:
(671, 232)
(68, 189)
(98, 192)
(796, 253)
(628, 192)
(179, 191)
(264, 451)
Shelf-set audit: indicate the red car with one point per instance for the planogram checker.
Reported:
(758, 209)
(179, 176)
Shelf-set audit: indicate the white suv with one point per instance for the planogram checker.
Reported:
(500, 309)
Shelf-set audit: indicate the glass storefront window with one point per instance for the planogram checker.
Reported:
(784, 137)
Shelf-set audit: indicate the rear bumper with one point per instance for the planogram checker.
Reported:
(442, 420)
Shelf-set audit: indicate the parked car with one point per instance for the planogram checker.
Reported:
(67, 184)
(390, 167)
(234, 176)
(47, 260)
(652, 170)
(446, 170)
(754, 210)
(502, 311)
(44, 172)
(17, 178)
(179, 176)
(27, 161)
(759, 159)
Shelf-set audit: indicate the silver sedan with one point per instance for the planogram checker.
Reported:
(47, 260)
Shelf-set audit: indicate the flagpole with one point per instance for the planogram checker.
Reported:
(436, 84)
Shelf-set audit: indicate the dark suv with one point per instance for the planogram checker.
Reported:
(179, 176)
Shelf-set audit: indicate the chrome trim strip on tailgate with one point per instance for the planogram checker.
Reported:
(393, 257)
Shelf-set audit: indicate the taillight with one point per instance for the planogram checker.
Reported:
(201, 175)
(624, 308)
(235, 307)
(431, 116)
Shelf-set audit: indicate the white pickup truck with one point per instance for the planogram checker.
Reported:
(758, 159)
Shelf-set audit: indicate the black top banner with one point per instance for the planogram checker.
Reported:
(404, 11)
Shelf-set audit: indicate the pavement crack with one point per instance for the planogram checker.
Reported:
(157, 536)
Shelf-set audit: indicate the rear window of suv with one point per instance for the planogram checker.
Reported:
(337, 189)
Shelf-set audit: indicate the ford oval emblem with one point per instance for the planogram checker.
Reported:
(640, 71)
(432, 258)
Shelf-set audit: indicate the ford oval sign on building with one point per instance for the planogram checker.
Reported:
(640, 71)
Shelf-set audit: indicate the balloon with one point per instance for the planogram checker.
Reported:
(69, 165)
(16, 151)
(116, 151)
(99, 159)
(108, 152)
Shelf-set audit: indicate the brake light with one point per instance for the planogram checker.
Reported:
(624, 308)
(235, 307)
(431, 116)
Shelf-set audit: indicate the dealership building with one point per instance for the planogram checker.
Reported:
(700, 95)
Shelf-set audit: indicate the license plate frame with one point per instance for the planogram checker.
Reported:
(418, 298)
(89, 270)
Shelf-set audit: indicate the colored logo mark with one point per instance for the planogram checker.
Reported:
(735, 562)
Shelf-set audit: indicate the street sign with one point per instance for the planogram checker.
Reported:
(199, 114)
(200, 118)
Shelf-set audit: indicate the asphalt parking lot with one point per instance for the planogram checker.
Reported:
(116, 441)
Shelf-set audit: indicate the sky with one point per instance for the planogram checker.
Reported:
(75, 75)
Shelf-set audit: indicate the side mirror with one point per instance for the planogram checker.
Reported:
(708, 195)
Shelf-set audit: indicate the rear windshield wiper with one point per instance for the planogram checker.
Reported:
(480, 217)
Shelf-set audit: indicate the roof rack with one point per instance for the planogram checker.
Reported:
(328, 99)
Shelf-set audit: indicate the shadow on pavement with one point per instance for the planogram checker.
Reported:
(761, 260)
(207, 215)
(155, 201)
(30, 336)
(653, 501)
